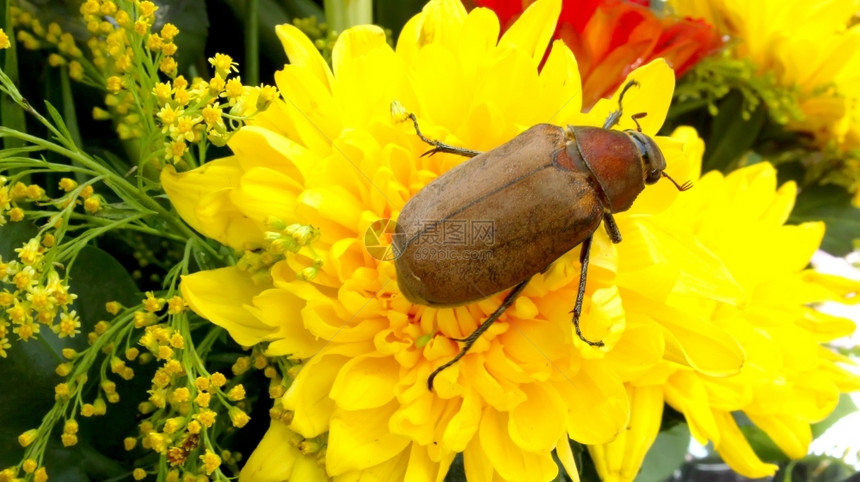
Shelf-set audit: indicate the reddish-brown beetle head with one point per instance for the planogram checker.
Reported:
(652, 158)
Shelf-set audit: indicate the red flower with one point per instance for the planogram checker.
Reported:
(610, 38)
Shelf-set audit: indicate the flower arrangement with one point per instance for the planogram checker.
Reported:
(189, 288)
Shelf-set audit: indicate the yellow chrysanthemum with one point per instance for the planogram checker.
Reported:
(667, 304)
(808, 45)
(788, 379)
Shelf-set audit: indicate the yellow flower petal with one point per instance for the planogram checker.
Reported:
(509, 460)
(463, 424)
(360, 438)
(421, 468)
(532, 31)
(303, 54)
(537, 434)
(363, 383)
(559, 79)
(258, 147)
(790, 434)
(263, 193)
(702, 346)
(686, 393)
(736, 451)
(311, 117)
(202, 198)
(598, 404)
(277, 308)
(622, 458)
(441, 24)
(277, 458)
(565, 456)
(478, 39)
(638, 351)
(205, 293)
(656, 82)
(308, 395)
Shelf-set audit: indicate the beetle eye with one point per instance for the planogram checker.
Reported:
(653, 176)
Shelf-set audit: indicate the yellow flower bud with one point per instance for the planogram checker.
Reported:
(28, 437)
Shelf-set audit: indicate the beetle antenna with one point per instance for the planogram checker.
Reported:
(636, 118)
(616, 116)
(682, 187)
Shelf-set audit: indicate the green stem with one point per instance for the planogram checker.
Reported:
(69, 113)
(252, 43)
(10, 115)
(110, 177)
(342, 14)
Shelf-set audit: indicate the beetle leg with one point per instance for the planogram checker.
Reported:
(440, 146)
(577, 309)
(471, 339)
(611, 228)
(614, 117)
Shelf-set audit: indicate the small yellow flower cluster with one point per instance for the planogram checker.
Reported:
(70, 430)
(280, 240)
(716, 76)
(191, 112)
(4, 40)
(12, 194)
(80, 195)
(323, 38)
(184, 400)
(33, 295)
(127, 55)
(813, 62)
(125, 59)
(33, 35)
(29, 466)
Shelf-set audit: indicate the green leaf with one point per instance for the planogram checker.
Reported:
(95, 277)
(816, 468)
(27, 384)
(760, 442)
(731, 136)
(58, 121)
(666, 455)
(457, 471)
(831, 204)
(11, 114)
(845, 407)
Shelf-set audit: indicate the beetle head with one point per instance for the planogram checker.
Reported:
(652, 157)
(653, 160)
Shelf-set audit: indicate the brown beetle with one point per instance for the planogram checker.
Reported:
(540, 195)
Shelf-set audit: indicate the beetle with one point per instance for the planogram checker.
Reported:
(541, 194)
